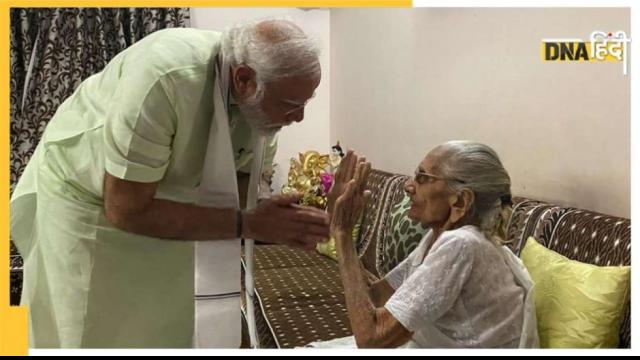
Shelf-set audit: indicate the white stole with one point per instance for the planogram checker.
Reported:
(259, 142)
(217, 263)
(529, 338)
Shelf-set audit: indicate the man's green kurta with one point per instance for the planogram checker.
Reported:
(144, 118)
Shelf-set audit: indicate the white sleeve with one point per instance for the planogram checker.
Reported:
(398, 274)
(435, 286)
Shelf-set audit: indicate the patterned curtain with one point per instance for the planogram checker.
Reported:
(52, 50)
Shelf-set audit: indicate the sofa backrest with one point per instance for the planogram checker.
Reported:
(578, 234)
(386, 191)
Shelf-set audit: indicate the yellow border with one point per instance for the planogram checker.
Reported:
(13, 320)
(205, 3)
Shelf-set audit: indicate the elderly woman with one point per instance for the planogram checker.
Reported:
(459, 287)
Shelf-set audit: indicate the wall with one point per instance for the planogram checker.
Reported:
(313, 132)
(405, 80)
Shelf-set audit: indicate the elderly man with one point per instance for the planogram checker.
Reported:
(139, 167)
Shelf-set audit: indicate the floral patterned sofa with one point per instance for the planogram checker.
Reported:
(299, 295)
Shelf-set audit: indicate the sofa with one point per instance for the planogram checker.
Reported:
(299, 295)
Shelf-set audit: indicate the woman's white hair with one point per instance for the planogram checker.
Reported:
(274, 49)
(477, 167)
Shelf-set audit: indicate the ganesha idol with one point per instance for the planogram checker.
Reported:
(311, 175)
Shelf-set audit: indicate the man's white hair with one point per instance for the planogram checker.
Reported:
(274, 49)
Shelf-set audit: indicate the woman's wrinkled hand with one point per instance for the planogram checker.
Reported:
(350, 204)
(343, 175)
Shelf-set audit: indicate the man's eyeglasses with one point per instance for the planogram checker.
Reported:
(423, 177)
(293, 106)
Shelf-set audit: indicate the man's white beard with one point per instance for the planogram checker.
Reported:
(257, 118)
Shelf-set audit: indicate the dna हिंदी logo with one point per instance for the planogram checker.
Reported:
(602, 46)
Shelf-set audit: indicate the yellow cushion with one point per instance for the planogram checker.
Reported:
(328, 248)
(578, 305)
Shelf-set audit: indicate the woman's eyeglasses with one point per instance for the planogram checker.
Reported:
(423, 177)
